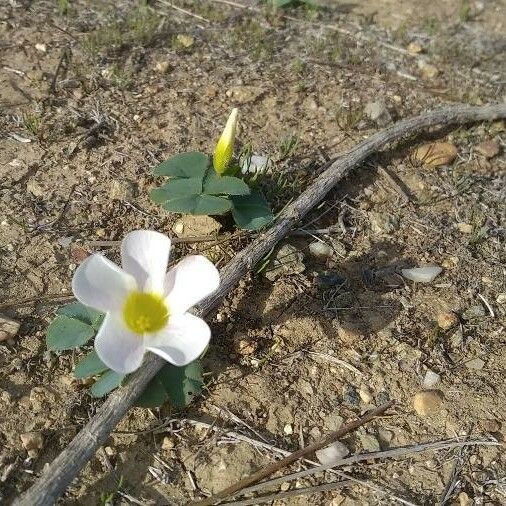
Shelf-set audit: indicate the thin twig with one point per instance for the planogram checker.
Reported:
(63, 62)
(293, 457)
(336, 361)
(489, 307)
(290, 493)
(184, 11)
(64, 468)
(397, 185)
(453, 480)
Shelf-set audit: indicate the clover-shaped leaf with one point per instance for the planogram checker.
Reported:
(251, 212)
(183, 165)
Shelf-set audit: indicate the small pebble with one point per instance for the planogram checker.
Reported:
(428, 70)
(377, 111)
(385, 435)
(350, 395)
(8, 328)
(428, 402)
(32, 442)
(64, 241)
(465, 228)
(501, 298)
(315, 433)
(320, 249)
(167, 443)
(333, 420)
(488, 149)
(285, 486)
(245, 347)
(369, 443)
(475, 364)
(178, 227)
(162, 67)
(365, 394)
(109, 451)
(422, 274)
(474, 312)
(474, 459)
(288, 429)
(465, 500)
(491, 425)
(414, 47)
(332, 453)
(382, 397)
(431, 379)
(447, 321)
(256, 164)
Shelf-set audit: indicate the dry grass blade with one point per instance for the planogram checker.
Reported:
(290, 493)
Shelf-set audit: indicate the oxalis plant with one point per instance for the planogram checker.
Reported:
(135, 309)
(199, 184)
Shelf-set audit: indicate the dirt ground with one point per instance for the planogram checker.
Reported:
(93, 94)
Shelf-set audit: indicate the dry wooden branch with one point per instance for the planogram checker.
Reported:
(60, 473)
(292, 457)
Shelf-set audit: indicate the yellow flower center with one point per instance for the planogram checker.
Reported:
(145, 313)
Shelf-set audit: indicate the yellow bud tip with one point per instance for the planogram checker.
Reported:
(225, 147)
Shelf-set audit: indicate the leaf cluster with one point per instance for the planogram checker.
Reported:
(194, 187)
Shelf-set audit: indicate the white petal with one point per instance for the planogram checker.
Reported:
(191, 280)
(182, 341)
(117, 347)
(101, 284)
(144, 255)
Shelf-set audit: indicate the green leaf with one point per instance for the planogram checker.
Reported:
(185, 196)
(107, 382)
(82, 313)
(198, 204)
(177, 188)
(224, 185)
(184, 165)
(251, 212)
(153, 396)
(66, 333)
(182, 384)
(90, 365)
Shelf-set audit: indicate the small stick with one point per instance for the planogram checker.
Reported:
(63, 62)
(291, 493)
(397, 185)
(293, 457)
(184, 11)
(489, 307)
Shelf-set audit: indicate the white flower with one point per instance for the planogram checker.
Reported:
(146, 308)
